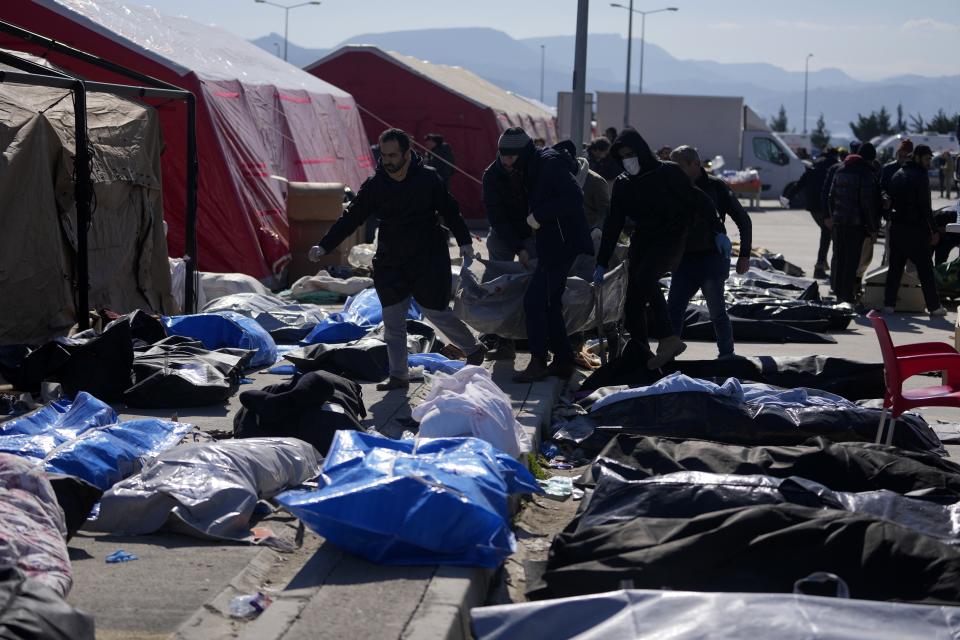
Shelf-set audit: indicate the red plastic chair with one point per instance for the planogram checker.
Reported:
(900, 363)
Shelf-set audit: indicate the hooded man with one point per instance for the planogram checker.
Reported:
(561, 234)
(912, 230)
(706, 260)
(439, 156)
(811, 182)
(661, 200)
(855, 211)
(505, 203)
(412, 259)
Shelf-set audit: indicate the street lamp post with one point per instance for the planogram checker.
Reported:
(806, 73)
(543, 57)
(286, 17)
(643, 31)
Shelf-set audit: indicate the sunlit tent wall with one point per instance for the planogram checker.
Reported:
(257, 116)
(127, 252)
(421, 97)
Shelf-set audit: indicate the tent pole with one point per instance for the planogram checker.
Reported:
(82, 190)
(190, 240)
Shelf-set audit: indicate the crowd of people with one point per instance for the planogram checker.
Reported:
(546, 207)
(852, 197)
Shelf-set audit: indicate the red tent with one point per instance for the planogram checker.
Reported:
(394, 90)
(257, 116)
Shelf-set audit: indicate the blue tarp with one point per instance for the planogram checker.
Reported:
(226, 329)
(434, 362)
(360, 314)
(83, 438)
(432, 501)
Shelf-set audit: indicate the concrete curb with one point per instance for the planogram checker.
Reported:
(442, 610)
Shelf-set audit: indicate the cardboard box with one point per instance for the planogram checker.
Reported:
(909, 297)
(314, 201)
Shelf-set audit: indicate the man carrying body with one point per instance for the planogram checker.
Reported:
(412, 257)
(704, 266)
(659, 197)
(505, 202)
(561, 234)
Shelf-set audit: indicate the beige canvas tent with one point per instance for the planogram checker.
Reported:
(127, 249)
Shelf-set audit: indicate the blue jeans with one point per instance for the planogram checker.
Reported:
(705, 272)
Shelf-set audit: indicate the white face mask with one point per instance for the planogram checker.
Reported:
(632, 165)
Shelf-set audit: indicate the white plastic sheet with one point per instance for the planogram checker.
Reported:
(682, 615)
(469, 403)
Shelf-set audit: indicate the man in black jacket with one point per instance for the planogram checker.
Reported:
(855, 213)
(659, 197)
(811, 183)
(412, 257)
(912, 230)
(440, 157)
(706, 263)
(561, 234)
(505, 202)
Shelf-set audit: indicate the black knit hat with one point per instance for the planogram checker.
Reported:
(513, 141)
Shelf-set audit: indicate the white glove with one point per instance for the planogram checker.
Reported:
(466, 252)
(316, 252)
(533, 222)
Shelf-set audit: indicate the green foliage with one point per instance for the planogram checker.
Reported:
(779, 123)
(820, 136)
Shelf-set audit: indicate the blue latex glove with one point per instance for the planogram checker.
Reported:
(598, 275)
(724, 245)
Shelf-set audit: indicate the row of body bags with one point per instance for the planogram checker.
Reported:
(733, 412)
(706, 516)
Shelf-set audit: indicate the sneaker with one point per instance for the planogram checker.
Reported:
(939, 312)
(888, 311)
(506, 350)
(536, 370)
(668, 349)
(393, 383)
(728, 356)
(476, 358)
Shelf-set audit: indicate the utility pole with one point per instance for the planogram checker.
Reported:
(286, 17)
(806, 74)
(580, 74)
(543, 58)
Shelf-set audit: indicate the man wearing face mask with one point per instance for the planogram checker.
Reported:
(414, 211)
(661, 200)
(505, 202)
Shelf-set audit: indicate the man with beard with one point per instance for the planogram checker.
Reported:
(412, 259)
(661, 200)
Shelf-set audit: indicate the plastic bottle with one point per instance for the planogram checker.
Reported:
(249, 605)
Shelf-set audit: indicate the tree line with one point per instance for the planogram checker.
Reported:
(878, 123)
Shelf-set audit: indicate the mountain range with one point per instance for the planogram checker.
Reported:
(515, 65)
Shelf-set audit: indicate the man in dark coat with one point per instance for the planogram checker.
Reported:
(855, 213)
(706, 262)
(659, 197)
(440, 157)
(415, 213)
(811, 183)
(561, 234)
(912, 230)
(505, 203)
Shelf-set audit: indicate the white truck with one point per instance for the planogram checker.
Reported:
(715, 125)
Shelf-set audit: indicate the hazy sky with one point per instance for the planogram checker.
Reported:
(868, 39)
